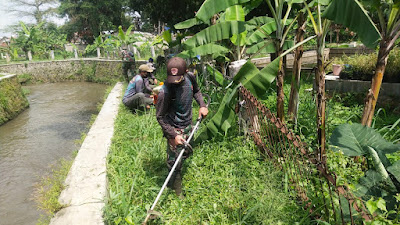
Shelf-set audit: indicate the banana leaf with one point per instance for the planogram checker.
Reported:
(254, 80)
(218, 76)
(261, 33)
(211, 7)
(258, 22)
(188, 23)
(234, 13)
(267, 47)
(217, 32)
(208, 49)
(351, 14)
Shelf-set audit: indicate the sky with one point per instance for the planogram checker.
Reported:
(7, 19)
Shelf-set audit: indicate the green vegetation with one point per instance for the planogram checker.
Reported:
(12, 99)
(359, 67)
(225, 182)
(49, 189)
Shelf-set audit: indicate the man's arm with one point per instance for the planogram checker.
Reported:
(203, 111)
(198, 96)
(161, 112)
(139, 86)
(147, 86)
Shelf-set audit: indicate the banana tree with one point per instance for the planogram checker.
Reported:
(354, 15)
(229, 26)
(29, 38)
(281, 14)
(256, 81)
(321, 28)
(295, 85)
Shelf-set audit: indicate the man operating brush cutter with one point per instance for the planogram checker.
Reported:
(174, 113)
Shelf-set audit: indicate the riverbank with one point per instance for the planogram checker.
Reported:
(12, 99)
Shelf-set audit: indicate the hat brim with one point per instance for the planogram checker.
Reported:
(175, 79)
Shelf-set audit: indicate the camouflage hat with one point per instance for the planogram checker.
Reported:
(176, 68)
(145, 68)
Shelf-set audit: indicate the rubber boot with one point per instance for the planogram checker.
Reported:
(171, 181)
(178, 185)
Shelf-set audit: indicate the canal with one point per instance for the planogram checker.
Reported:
(40, 136)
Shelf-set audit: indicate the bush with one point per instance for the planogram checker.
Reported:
(362, 67)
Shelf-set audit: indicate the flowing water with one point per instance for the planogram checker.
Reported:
(38, 138)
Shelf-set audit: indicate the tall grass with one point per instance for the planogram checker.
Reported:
(225, 182)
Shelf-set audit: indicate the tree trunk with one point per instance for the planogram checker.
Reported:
(321, 101)
(279, 89)
(295, 85)
(372, 96)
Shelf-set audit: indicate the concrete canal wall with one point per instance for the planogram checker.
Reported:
(91, 70)
(86, 181)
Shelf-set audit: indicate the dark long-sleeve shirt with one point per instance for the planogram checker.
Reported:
(136, 85)
(174, 105)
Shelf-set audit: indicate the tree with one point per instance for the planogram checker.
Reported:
(282, 28)
(321, 28)
(165, 11)
(37, 9)
(39, 39)
(355, 15)
(295, 85)
(89, 18)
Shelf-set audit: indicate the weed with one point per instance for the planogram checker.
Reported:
(225, 182)
(49, 188)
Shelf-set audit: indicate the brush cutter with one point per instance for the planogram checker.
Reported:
(186, 146)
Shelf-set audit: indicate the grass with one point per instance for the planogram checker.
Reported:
(12, 99)
(225, 182)
(341, 108)
(49, 189)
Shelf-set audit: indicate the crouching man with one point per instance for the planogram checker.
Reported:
(174, 112)
(137, 94)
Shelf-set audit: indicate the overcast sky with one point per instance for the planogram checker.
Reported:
(7, 19)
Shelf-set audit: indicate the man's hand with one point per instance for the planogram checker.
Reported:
(203, 111)
(155, 81)
(179, 140)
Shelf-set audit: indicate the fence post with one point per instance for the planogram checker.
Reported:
(7, 58)
(75, 53)
(136, 52)
(153, 52)
(30, 55)
(108, 55)
(98, 53)
(52, 54)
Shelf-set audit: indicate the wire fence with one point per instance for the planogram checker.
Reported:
(305, 174)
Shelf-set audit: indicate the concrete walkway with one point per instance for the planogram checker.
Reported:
(86, 181)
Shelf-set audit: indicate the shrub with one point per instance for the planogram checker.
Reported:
(362, 67)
